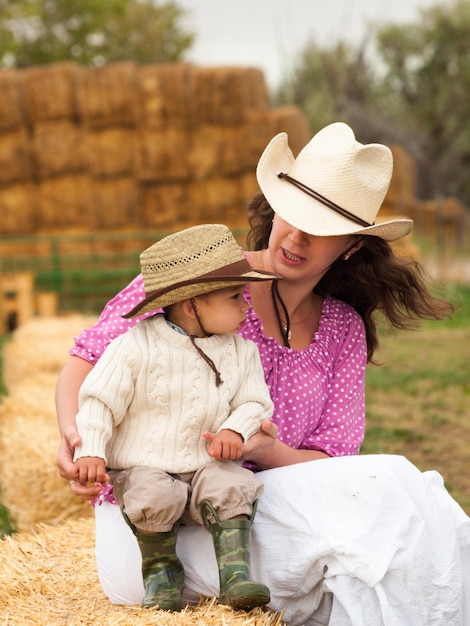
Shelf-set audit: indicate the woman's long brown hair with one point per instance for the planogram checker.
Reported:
(373, 280)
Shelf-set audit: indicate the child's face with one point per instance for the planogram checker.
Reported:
(223, 311)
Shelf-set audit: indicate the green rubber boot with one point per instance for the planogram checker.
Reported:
(162, 570)
(232, 549)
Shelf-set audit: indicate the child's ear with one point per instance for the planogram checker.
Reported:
(188, 308)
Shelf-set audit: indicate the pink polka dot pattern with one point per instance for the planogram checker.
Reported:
(318, 393)
(91, 343)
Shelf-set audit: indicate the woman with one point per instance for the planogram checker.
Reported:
(346, 539)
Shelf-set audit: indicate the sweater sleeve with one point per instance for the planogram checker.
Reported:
(105, 396)
(251, 404)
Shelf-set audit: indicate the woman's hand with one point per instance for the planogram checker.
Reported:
(260, 446)
(68, 469)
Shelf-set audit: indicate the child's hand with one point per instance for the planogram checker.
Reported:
(227, 445)
(91, 469)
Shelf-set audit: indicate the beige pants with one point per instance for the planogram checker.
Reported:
(154, 500)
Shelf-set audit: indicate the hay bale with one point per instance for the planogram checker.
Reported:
(63, 202)
(165, 96)
(291, 120)
(49, 577)
(11, 102)
(57, 148)
(18, 209)
(259, 129)
(108, 96)
(162, 155)
(204, 152)
(40, 346)
(258, 93)
(165, 207)
(215, 200)
(445, 221)
(223, 95)
(249, 187)
(50, 91)
(110, 152)
(31, 488)
(233, 155)
(114, 203)
(402, 189)
(219, 151)
(15, 157)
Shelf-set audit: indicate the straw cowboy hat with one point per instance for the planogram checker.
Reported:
(335, 186)
(192, 262)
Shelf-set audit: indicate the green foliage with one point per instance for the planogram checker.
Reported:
(36, 32)
(326, 81)
(406, 84)
(428, 68)
(6, 527)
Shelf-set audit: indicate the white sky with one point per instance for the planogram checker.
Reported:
(270, 33)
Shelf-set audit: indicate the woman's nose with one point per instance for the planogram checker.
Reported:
(298, 236)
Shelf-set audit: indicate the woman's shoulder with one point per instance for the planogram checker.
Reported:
(342, 331)
(340, 310)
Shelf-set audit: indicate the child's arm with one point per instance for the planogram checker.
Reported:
(91, 469)
(226, 445)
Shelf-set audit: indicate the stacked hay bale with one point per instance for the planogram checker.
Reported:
(128, 147)
(401, 197)
(47, 570)
(16, 187)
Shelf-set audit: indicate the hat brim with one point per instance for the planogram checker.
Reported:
(305, 212)
(182, 291)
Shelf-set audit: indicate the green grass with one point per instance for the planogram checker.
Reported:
(418, 399)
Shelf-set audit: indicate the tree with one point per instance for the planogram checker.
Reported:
(327, 83)
(428, 81)
(407, 84)
(91, 32)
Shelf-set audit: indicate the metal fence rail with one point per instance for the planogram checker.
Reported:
(84, 270)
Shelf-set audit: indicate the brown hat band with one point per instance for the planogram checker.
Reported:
(233, 272)
(328, 203)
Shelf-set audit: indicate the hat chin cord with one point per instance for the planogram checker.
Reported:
(208, 360)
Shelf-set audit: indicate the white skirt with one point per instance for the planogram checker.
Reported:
(363, 541)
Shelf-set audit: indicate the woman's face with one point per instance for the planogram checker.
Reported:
(295, 255)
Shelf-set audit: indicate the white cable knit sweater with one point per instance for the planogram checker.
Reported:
(151, 396)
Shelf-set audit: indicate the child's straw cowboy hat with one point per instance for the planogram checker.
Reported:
(335, 186)
(192, 262)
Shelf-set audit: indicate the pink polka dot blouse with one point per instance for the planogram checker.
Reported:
(318, 392)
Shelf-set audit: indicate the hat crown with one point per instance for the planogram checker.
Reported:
(335, 186)
(188, 254)
(352, 175)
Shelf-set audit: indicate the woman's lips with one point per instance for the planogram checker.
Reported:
(292, 258)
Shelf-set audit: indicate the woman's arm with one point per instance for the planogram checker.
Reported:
(266, 451)
(88, 348)
(69, 382)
